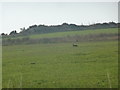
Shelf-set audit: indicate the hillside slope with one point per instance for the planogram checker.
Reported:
(60, 37)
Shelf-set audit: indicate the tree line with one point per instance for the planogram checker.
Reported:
(41, 29)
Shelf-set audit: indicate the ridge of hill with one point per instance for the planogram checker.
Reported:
(42, 29)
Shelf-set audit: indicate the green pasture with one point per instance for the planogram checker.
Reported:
(60, 65)
(72, 33)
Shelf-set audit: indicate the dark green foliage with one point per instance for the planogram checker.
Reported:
(39, 29)
(3, 34)
(13, 32)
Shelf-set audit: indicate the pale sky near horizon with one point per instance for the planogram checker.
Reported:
(16, 15)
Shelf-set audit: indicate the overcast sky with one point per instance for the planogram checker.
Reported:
(18, 15)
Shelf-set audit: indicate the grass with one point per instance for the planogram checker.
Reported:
(61, 65)
(93, 64)
(72, 33)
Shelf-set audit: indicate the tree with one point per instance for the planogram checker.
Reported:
(22, 29)
(13, 32)
(3, 34)
(33, 26)
(65, 24)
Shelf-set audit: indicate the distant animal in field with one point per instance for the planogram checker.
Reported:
(75, 45)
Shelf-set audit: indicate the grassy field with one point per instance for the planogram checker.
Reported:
(72, 33)
(93, 64)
